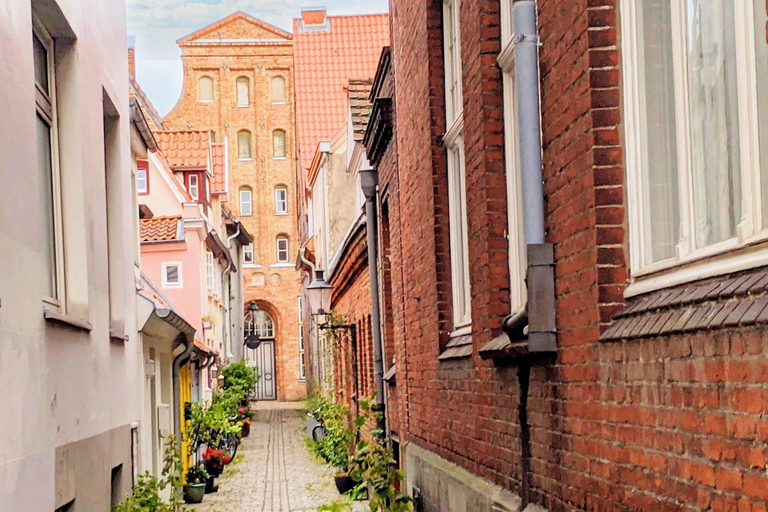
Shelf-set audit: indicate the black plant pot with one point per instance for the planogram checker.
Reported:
(193, 493)
(211, 486)
(344, 483)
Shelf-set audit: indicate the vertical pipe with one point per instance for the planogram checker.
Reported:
(369, 182)
(528, 117)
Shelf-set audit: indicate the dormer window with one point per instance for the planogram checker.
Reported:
(193, 186)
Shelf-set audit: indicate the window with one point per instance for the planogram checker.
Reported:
(205, 90)
(278, 90)
(246, 201)
(244, 145)
(281, 200)
(454, 145)
(210, 270)
(278, 144)
(243, 92)
(172, 277)
(262, 323)
(142, 178)
(695, 186)
(193, 187)
(248, 253)
(282, 249)
(516, 233)
(302, 363)
(47, 163)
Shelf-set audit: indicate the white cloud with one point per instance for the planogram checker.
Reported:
(157, 24)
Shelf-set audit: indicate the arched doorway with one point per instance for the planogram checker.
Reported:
(262, 357)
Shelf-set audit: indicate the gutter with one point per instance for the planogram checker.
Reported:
(138, 119)
(179, 361)
(228, 303)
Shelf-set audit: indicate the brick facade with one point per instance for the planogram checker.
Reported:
(672, 422)
(242, 46)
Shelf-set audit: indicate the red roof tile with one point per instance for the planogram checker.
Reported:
(324, 62)
(185, 148)
(219, 182)
(159, 229)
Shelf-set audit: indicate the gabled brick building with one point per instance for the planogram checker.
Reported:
(651, 393)
(238, 83)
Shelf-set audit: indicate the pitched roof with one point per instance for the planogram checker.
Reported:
(232, 25)
(161, 229)
(147, 108)
(219, 182)
(188, 148)
(360, 106)
(324, 63)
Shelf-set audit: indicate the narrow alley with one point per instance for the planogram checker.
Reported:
(273, 470)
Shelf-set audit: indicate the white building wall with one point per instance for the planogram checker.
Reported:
(70, 394)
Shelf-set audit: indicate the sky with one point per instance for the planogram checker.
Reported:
(157, 24)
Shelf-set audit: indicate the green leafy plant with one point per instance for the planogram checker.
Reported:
(335, 446)
(339, 505)
(373, 466)
(210, 425)
(196, 475)
(240, 376)
(146, 493)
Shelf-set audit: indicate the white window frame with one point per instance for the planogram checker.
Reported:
(249, 202)
(199, 90)
(283, 238)
(209, 271)
(239, 99)
(281, 204)
(164, 268)
(250, 146)
(455, 163)
(747, 248)
(302, 362)
(248, 250)
(46, 109)
(194, 188)
(517, 248)
(142, 171)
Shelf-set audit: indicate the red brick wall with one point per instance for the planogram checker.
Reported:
(668, 423)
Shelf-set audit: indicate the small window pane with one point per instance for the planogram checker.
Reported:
(281, 200)
(659, 173)
(194, 189)
(714, 125)
(246, 207)
(45, 176)
(205, 89)
(244, 145)
(248, 253)
(278, 89)
(41, 64)
(243, 92)
(282, 250)
(172, 274)
(279, 144)
(141, 181)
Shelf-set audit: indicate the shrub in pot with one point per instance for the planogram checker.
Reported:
(194, 489)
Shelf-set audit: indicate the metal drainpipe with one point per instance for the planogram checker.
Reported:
(369, 181)
(228, 302)
(178, 362)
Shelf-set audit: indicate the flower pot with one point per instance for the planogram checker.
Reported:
(211, 486)
(246, 429)
(194, 493)
(344, 483)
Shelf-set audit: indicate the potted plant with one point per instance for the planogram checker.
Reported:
(245, 427)
(194, 489)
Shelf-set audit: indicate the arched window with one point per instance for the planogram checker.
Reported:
(278, 144)
(246, 201)
(205, 89)
(281, 200)
(243, 91)
(278, 90)
(244, 145)
(282, 249)
(262, 323)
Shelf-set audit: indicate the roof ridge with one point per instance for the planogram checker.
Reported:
(223, 21)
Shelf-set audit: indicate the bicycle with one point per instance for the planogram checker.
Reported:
(319, 431)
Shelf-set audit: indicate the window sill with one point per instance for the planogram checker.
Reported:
(735, 260)
(279, 158)
(286, 264)
(118, 336)
(281, 214)
(278, 103)
(54, 317)
(245, 159)
(459, 346)
(251, 265)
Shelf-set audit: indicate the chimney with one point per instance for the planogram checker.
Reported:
(132, 57)
(313, 16)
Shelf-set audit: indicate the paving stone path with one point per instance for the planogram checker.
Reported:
(276, 473)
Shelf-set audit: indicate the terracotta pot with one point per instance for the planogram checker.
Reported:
(246, 430)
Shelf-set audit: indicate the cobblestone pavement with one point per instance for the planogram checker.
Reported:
(276, 472)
